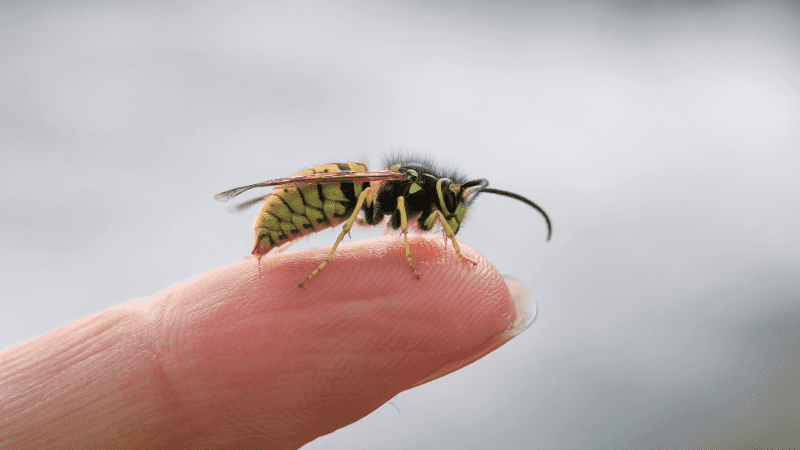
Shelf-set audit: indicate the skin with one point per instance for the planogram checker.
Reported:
(234, 359)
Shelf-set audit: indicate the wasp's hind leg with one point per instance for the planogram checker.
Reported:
(366, 195)
(437, 215)
(401, 206)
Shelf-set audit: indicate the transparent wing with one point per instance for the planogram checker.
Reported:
(245, 205)
(315, 178)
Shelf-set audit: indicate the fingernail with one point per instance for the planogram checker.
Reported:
(526, 306)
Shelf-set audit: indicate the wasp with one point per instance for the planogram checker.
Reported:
(327, 195)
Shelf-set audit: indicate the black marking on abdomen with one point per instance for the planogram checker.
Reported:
(309, 225)
(291, 211)
(321, 196)
(349, 192)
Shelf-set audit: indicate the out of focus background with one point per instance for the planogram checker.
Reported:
(661, 137)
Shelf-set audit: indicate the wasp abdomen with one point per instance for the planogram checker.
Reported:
(291, 212)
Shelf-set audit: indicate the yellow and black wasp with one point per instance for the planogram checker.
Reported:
(327, 195)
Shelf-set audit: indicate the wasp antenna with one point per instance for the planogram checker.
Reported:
(481, 182)
(523, 200)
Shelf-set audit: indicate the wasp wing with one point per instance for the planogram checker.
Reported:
(314, 178)
(247, 204)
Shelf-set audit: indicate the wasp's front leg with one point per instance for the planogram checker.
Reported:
(437, 215)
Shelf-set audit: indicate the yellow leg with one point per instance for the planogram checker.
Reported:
(366, 195)
(449, 232)
(401, 205)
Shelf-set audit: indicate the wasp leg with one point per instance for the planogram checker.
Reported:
(366, 195)
(401, 206)
(437, 215)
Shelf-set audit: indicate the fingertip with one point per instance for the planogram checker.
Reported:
(456, 309)
(361, 332)
(377, 269)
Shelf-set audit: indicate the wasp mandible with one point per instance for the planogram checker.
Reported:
(327, 195)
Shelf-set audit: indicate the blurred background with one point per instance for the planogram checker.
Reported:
(661, 138)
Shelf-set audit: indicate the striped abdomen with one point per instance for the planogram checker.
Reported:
(291, 212)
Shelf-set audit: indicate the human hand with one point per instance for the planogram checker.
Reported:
(237, 358)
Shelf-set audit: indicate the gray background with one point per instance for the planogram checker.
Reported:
(661, 138)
